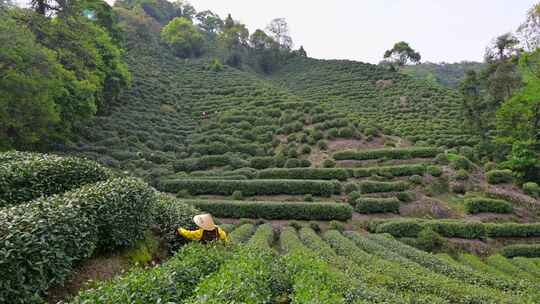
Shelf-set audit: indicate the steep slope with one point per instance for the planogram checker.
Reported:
(394, 102)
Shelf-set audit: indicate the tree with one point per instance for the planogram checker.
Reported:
(519, 117)
(529, 32)
(279, 30)
(234, 39)
(401, 54)
(265, 50)
(302, 52)
(31, 81)
(209, 22)
(474, 105)
(502, 48)
(183, 37)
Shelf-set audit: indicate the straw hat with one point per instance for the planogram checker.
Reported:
(204, 221)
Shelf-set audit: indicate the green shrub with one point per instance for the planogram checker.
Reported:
(328, 163)
(531, 189)
(479, 204)
(461, 175)
(461, 162)
(429, 240)
(306, 149)
(305, 163)
(292, 163)
(295, 224)
(335, 225)
(416, 179)
(375, 187)
(353, 196)
(237, 195)
(308, 198)
(442, 159)
(304, 173)
(171, 214)
(435, 171)
(315, 226)
(262, 162)
(377, 205)
(275, 210)
(406, 196)
(322, 144)
(521, 250)
(42, 240)
(252, 187)
(499, 177)
(490, 166)
(42, 174)
(402, 153)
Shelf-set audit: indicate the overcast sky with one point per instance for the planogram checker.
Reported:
(441, 30)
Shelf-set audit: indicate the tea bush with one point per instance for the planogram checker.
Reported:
(377, 205)
(305, 173)
(479, 204)
(391, 171)
(521, 250)
(43, 239)
(499, 177)
(275, 210)
(171, 214)
(531, 189)
(400, 153)
(376, 187)
(34, 175)
(252, 187)
(455, 228)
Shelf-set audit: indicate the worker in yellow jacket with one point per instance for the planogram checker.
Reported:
(208, 231)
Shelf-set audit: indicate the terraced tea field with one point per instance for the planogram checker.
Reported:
(266, 266)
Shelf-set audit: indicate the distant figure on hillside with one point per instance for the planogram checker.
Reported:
(204, 115)
(208, 231)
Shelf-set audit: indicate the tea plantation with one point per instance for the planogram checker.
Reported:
(337, 181)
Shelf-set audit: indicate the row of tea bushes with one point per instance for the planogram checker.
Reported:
(275, 210)
(398, 153)
(312, 279)
(454, 270)
(305, 173)
(43, 239)
(402, 272)
(454, 228)
(368, 205)
(379, 187)
(475, 205)
(389, 171)
(252, 187)
(27, 176)
(172, 282)
(521, 250)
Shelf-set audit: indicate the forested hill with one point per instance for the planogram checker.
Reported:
(390, 101)
(446, 74)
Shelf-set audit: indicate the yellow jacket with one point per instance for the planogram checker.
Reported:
(196, 235)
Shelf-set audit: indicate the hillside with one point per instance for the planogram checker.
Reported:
(395, 103)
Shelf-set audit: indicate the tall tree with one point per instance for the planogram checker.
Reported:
(209, 22)
(502, 47)
(183, 37)
(401, 54)
(529, 31)
(279, 30)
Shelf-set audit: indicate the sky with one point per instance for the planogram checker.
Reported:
(441, 30)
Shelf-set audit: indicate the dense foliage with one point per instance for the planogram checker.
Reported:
(63, 70)
(33, 175)
(43, 239)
